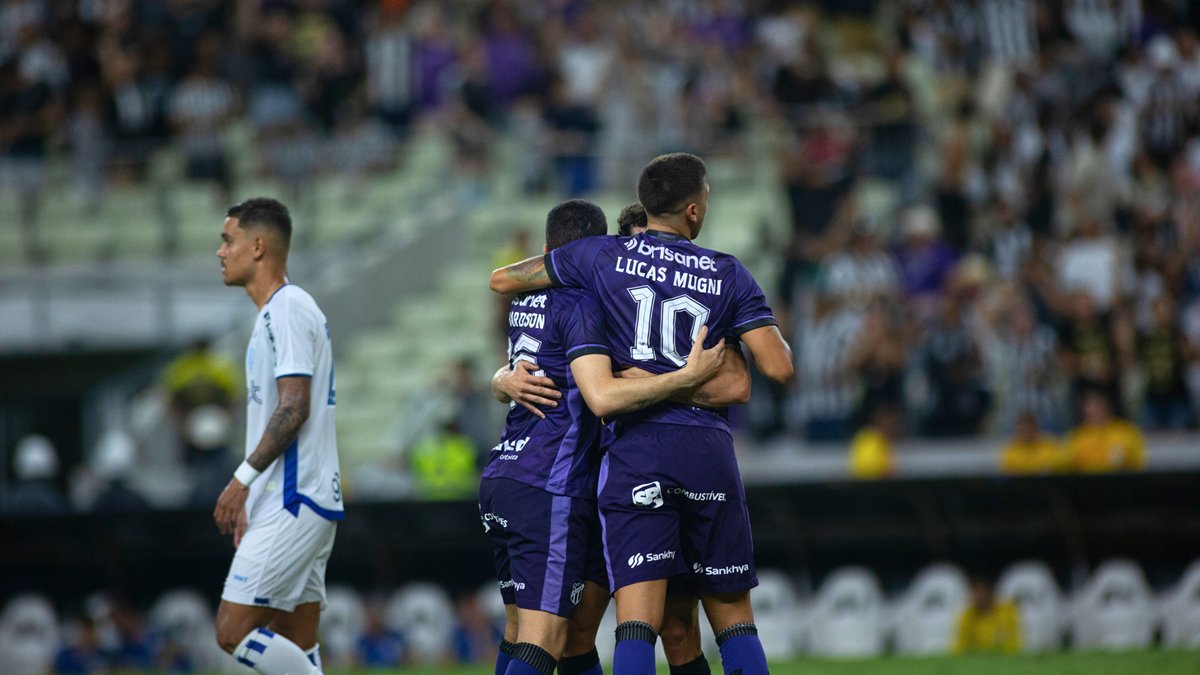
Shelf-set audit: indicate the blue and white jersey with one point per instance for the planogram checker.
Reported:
(291, 337)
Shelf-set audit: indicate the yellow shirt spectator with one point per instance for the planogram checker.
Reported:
(444, 466)
(1041, 455)
(997, 629)
(1115, 445)
(201, 377)
(871, 455)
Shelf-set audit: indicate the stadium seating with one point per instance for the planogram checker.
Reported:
(185, 618)
(1031, 585)
(1114, 610)
(927, 613)
(778, 615)
(423, 615)
(29, 636)
(342, 624)
(1181, 611)
(848, 617)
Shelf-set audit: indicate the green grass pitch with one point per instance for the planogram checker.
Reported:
(1124, 663)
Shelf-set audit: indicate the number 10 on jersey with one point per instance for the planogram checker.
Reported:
(669, 309)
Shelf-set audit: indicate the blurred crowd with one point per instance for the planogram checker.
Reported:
(998, 229)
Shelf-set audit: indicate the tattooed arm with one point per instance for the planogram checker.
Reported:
(523, 277)
(282, 429)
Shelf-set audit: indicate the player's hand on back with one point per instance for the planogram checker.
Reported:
(703, 364)
(230, 513)
(530, 390)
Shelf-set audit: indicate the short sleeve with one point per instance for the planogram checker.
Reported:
(294, 335)
(571, 265)
(582, 330)
(750, 309)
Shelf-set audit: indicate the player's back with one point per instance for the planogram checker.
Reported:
(657, 289)
(558, 453)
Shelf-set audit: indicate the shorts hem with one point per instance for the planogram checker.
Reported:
(733, 587)
(251, 600)
(537, 607)
(648, 575)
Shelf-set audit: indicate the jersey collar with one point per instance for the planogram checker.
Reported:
(666, 236)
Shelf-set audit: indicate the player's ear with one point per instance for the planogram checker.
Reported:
(545, 248)
(258, 247)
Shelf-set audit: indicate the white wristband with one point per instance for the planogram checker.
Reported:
(246, 474)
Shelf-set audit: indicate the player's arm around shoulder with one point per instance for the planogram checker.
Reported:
(608, 395)
(525, 276)
(772, 355)
(730, 386)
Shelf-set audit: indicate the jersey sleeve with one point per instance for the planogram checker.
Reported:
(294, 330)
(571, 265)
(750, 305)
(582, 330)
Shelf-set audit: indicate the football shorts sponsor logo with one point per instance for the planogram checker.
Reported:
(492, 518)
(637, 558)
(720, 571)
(238, 577)
(648, 494)
(515, 585)
(577, 593)
(697, 496)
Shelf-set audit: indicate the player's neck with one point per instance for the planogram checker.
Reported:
(680, 227)
(263, 286)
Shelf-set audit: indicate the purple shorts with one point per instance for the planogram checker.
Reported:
(672, 502)
(546, 545)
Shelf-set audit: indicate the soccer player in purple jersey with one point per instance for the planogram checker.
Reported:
(670, 495)
(537, 494)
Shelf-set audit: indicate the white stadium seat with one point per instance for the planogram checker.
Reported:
(29, 636)
(1114, 610)
(1043, 610)
(342, 625)
(927, 613)
(183, 615)
(422, 613)
(1181, 611)
(847, 619)
(778, 615)
(491, 603)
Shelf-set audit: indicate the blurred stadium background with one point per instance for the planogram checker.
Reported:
(978, 222)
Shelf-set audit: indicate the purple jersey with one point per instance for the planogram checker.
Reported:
(559, 454)
(657, 289)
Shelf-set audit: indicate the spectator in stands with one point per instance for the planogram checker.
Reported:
(445, 464)
(1104, 442)
(828, 390)
(139, 648)
(1088, 347)
(987, 625)
(953, 367)
(378, 647)
(201, 106)
(861, 272)
(1031, 451)
(1164, 355)
(84, 656)
(35, 494)
(116, 458)
(474, 418)
(871, 454)
(1022, 360)
(31, 111)
(573, 126)
(879, 358)
(1010, 242)
(925, 261)
(198, 379)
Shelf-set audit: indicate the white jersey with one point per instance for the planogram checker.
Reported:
(291, 337)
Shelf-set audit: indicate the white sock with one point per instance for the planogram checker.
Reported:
(272, 654)
(314, 655)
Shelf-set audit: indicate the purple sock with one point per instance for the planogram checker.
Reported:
(504, 656)
(634, 654)
(741, 651)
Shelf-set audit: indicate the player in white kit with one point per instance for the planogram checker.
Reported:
(284, 501)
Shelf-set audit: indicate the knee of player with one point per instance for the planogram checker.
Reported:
(676, 635)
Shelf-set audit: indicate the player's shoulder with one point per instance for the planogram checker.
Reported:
(292, 300)
(566, 299)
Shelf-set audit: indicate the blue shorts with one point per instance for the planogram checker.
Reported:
(546, 545)
(672, 502)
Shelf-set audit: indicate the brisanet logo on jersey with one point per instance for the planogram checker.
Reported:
(637, 558)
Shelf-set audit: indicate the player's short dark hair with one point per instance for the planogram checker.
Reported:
(574, 219)
(669, 180)
(631, 216)
(263, 212)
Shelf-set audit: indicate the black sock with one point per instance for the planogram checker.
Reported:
(697, 666)
(637, 630)
(577, 665)
(536, 657)
(507, 647)
(736, 630)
